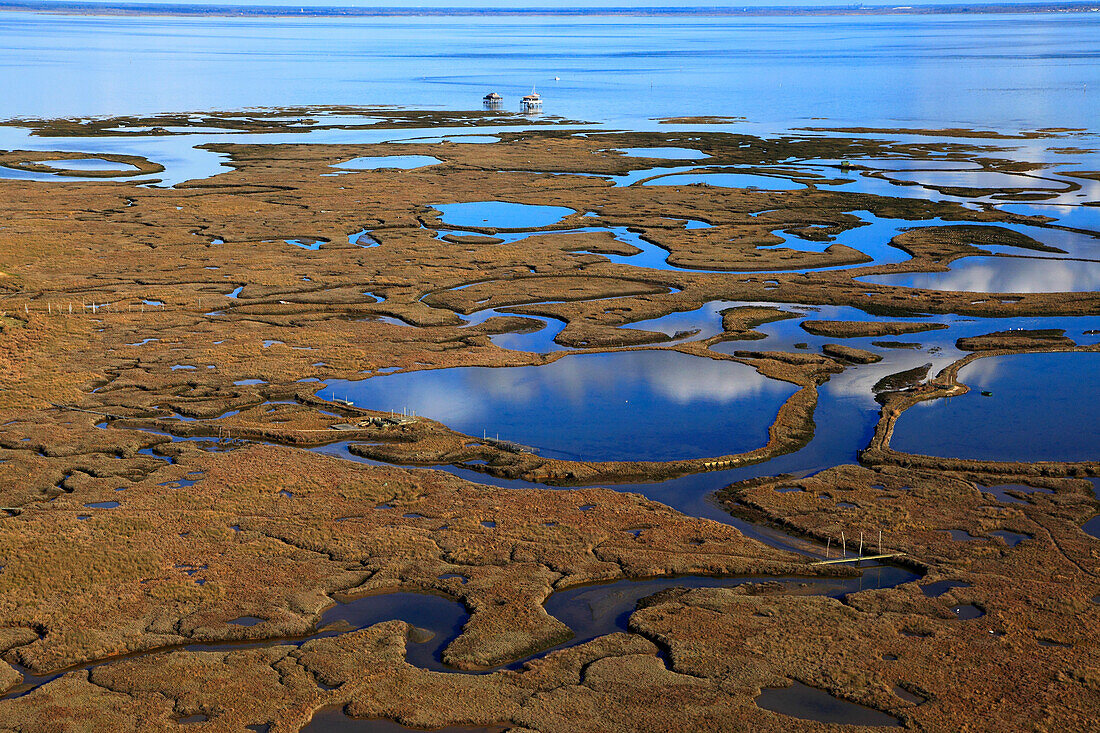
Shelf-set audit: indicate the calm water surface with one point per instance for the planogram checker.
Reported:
(388, 161)
(636, 405)
(1040, 407)
(1002, 72)
(810, 703)
(501, 215)
(88, 164)
(1003, 275)
(333, 720)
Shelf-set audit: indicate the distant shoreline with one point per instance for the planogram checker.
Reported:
(190, 10)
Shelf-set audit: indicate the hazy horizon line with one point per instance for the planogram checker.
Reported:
(117, 7)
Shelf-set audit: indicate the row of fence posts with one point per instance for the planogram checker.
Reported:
(61, 310)
(844, 546)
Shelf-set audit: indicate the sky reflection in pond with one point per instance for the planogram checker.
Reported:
(1003, 275)
(1042, 407)
(404, 162)
(665, 153)
(635, 405)
(89, 164)
(975, 179)
(1081, 217)
(727, 180)
(501, 215)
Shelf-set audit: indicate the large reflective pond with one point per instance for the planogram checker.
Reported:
(1003, 275)
(501, 215)
(1038, 407)
(634, 405)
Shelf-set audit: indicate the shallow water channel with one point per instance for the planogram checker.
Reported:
(525, 220)
(590, 611)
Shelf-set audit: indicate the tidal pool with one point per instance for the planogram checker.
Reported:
(1082, 245)
(663, 153)
(939, 587)
(363, 238)
(501, 215)
(701, 323)
(1092, 529)
(307, 243)
(913, 164)
(976, 179)
(1081, 217)
(810, 703)
(633, 405)
(89, 164)
(441, 616)
(539, 341)
(1002, 275)
(480, 139)
(403, 162)
(728, 180)
(1001, 492)
(334, 720)
(1040, 407)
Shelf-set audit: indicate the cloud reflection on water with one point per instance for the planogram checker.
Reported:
(628, 405)
(1003, 275)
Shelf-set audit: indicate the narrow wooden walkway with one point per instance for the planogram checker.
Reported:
(858, 558)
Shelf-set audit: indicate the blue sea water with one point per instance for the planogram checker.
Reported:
(1004, 72)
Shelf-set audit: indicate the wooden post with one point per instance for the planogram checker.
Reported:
(843, 546)
(828, 542)
(880, 542)
(861, 544)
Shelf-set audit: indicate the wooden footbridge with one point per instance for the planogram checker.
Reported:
(858, 558)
